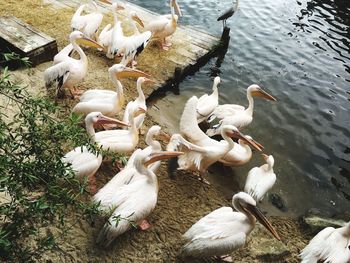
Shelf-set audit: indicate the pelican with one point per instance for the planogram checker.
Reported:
(261, 179)
(228, 13)
(162, 27)
(237, 115)
(200, 150)
(139, 102)
(331, 245)
(70, 71)
(133, 202)
(83, 161)
(240, 154)
(107, 102)
(89, 23)
(129, 174)
(222, 231)
(105, 38)
(120, 141)
(208, 103)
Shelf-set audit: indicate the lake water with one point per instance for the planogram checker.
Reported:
(298, 51)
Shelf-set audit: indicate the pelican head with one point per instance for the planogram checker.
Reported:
(233, 132)
(217, 81)
(136, 18)
(268, 159)
(98, 118)
(121, 71)
(256, 91)
(81, 39)
(174, 4)
(142, 80)
(244, 203)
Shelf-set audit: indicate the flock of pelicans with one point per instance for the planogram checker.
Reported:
(131, 195)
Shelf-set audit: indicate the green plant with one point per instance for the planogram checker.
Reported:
(39, 188)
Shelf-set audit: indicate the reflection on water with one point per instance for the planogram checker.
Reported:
(299, 52)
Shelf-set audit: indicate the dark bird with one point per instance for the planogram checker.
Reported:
(228, 13)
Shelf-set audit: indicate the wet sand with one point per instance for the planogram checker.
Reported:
(181, 201)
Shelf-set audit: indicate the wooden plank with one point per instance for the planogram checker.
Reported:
(193, 46)
(19, 37)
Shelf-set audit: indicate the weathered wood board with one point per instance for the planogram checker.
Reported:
(19, 37)
(196, 48)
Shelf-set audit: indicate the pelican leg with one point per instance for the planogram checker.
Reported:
(167, 44)
(144, 225)
(133, 63)
(92, 184)
(202, 179)
(226, 258)
(163, 45)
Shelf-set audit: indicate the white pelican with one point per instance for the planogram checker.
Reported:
(261, 179)
(106, 37)
(331, 245)
(70, 71)
(200, 150)
(237, 115)
(162, 27)
(207, 103)
(89, 23)
(120, 141)
(85, 163)
(139, 102)
(240, 154)
(107, 102)
(224, 230)
(133, 202)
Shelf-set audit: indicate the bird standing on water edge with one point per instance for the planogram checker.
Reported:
(228, 13)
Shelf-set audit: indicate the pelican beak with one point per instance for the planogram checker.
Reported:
(177, 7)
(149, 81)
(265, 156)
(131, 73)
(139, 111)
(120, 7)
(106, 2)
(107, 120)
(157, 156)
(256, 143)
(163, 136)
(89, 42)
(262, 219)
(263, 94)
(237, 134)
(138, 20)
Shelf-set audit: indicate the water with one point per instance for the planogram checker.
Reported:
(299, 52)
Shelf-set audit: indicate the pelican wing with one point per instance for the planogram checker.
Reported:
(318, 247)
(206, 105)
(78, 22)
(105, 106)
(97, 93)
(57, 75)
(104, 39)
(84, 162)
(63, 54)
(136, 202)
(134, 45)
(217, 233)
(158, 25)
(259, 182)
(225, 110)
(108, 195)
(188, 122)
(93, 22)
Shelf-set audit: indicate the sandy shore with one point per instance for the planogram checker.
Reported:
(181, 202)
